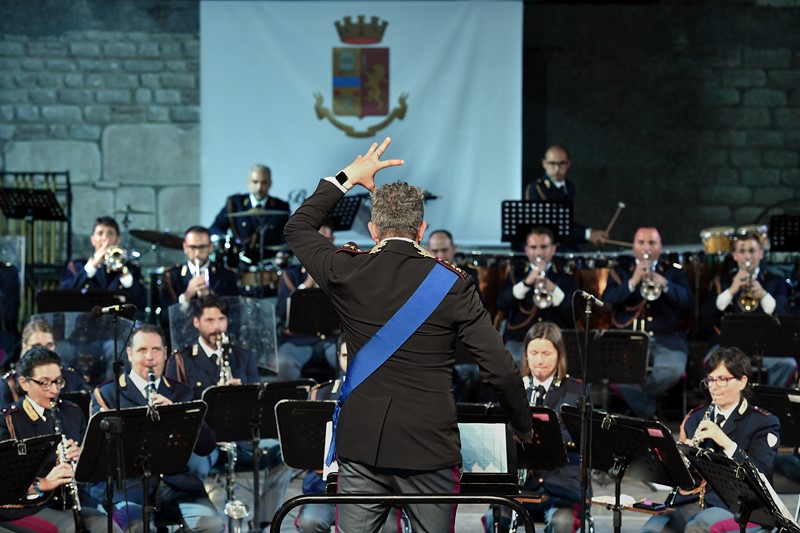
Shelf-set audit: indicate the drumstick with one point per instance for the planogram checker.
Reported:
(619, 243)
(620, 207)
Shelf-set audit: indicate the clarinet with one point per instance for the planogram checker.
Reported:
(150, 390)
(694, 441)
(225, 372)
(72, 486)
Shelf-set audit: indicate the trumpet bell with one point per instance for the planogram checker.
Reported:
(236, 510)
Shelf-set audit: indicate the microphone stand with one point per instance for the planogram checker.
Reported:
(586, 416)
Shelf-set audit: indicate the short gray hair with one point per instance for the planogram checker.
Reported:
(398, 210)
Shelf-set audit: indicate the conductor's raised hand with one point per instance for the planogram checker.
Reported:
(363, 169)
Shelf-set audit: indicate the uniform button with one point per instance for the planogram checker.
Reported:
(649, 319)
(244, 224)
(199, 384)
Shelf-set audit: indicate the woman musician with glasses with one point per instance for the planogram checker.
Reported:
(729, 424)
(49, 505)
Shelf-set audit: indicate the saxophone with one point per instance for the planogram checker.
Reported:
(72, 486)
(223, 347)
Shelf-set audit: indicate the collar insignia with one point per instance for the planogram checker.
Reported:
(378, 247)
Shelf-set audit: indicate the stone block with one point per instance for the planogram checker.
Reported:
(767, 58)
(151, 81)
(61, 113)
(791, 138)
(127, 114)
(98, 65)
(192, 48)
(60, 65)
(49, 48)
(119, 49)
(783, 79)
(25, 81)
(731, 137)
(96, 81)
(82, 159)
(760, 177)
(771, 195)
(143, 65)
(787, 118)
(718, 96)
(170, 49)
(179, 207)
(157, 113)
(97, 113)
(722, 56)
(794, 99)
(8, 64)
(791, 178)
(148, 49)
(6, 113)
(179, 81)
(185, 114)
(764, 138)
(84, 49)
(113, 96)
(27, 113)
(746, 158)
(84, 132)
(7, 81)
(764, 97)
(13, 96)
(32, 64)
(167, 96)
(121, 81)
(141, 199)
(31, 132)
(743, 78)
(160, 154)
(43, 96)
(781, 158)
(176, 65)
(74, 96)
(57, 131)
(715, 215)
(142, 96)
(7, 132)
(9, 48)
(725, 194)
(88, 203)
(752, 117)
(190, 97)
(743, 215)
(50, 80)
(73, 80)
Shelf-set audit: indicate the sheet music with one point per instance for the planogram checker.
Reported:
(334, 467)
(483, 447)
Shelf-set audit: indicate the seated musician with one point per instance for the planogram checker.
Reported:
(539, 291)
(181, 496)
(198, 366)
(749, 288)
(49, 503)
(544, 371)
(198, 276)
(106, 274)
(37, 334)
(652, 296)
(296, 350)
(729, 425)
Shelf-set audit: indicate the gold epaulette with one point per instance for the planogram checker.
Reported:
(455, 268)
(350, 247)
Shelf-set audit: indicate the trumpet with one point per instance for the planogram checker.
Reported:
(649, 289)
(747, 300)
(72, 486)
(115, 259)
(223, 347)
(202, 271)
(542, 298)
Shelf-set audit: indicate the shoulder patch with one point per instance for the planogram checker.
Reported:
(761, 411)
(350, 247)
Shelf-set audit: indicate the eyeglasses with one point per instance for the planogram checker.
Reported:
(557, 164)
(722, 382)
(45, 385)
(198, 246)
(49, 346)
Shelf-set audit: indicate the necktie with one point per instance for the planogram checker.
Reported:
(720, 420)
(539, 395)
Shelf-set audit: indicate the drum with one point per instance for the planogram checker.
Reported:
(760, 229)
(717, 240)
(226, 251)
(259, 281)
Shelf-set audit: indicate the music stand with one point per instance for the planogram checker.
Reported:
(301, 431)
(247, 413)
(784, 233)
(311, 312)
(152, 445)
(20, 462)
(30, 204)
(517, 217)
(756, 335)
(344, 212)
(622, 445)
(62, 301)
(785, 403)
(740, 487)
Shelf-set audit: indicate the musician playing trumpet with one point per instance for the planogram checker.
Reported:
(729, 424)
(538, 291)
(48, 502)
(750, 289)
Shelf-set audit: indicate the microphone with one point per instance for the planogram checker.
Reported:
(111, 309)
(605, 306)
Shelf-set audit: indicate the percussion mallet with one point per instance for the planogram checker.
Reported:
(620, 207)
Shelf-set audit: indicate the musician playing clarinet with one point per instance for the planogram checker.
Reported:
(729, 424)
(49, 503)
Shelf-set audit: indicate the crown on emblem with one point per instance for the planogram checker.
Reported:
(361, 32)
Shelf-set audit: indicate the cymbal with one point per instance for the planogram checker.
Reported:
(131, 211)
(258, 212)
(167, 240)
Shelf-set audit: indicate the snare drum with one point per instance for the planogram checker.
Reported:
(761, 230)
(717, 240)
(259, 280)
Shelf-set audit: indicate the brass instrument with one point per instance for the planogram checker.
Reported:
(72, 486)
(202, 271)
(747, 300)
(115, 259)
(649, 289)
(542, 298)
(223, 347)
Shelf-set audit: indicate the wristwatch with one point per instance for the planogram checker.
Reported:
(341, 177)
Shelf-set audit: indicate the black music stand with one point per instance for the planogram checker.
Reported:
(757, 335)
(311, 312)
(622, 445)
(740, 487)
(229, 405)
(784, 403)
(20, 462)
(30, 204)
(517, 217)
(345, 211)
(63, 301)
(784, 233)
(301, 431)
(614, 356)
(134, 439)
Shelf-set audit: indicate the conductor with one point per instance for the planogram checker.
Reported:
(397, 430)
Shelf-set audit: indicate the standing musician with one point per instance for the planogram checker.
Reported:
(554, 186)
(729, 425)
(246, 228)
(748, 288)
(544, 371)
(537, 292)
(398, 428)
(50, 498)
(651, 296)
(37, 334)
(107, 268)
(180, 496)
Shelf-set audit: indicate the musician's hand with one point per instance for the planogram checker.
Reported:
(598, 237)
(658, 278)
(235, 381)
(758, 290)
(196, 287)
(363, 169)
(61, 474)
(309, 282)
(638, 273)
(73, 451)
(740, 278)
(100, 250)
(519, 437)
(709, 430)
(158, 399)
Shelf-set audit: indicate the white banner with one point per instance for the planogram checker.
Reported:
(442, 79)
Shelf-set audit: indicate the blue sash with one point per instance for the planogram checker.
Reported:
(391, 336)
